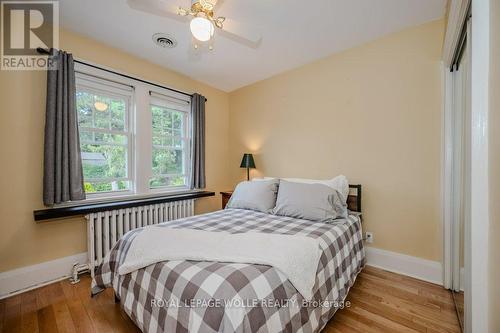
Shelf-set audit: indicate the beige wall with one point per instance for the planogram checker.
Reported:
(494, 167)
(22, 98)
(372, 113)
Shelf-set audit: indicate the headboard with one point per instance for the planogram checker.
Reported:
(354, 199)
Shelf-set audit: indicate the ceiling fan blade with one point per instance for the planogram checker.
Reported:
(241, 34)
(157, 7)
(231, 29)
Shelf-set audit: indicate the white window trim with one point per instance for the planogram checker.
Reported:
(139, 122)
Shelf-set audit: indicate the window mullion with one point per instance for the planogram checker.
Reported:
(143, 140)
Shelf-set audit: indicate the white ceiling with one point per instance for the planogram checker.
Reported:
(293, 33)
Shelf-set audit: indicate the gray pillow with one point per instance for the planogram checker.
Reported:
(315, 202)
(259, 196)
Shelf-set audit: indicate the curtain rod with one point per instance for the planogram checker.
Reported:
(44, 51)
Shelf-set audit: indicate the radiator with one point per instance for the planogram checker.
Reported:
(105, 228)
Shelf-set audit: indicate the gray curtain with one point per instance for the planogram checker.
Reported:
(198, 146)
(62, 173)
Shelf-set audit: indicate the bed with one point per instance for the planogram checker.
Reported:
(209, 296)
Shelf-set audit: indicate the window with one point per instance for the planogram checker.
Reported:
(103, 118)
(171, 142)
(133, 141)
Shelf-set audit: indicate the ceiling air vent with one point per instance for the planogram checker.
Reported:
(164, 40)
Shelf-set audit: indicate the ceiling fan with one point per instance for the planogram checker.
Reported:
(203, 20)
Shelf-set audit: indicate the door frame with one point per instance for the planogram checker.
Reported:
(476, 226)
(477, 318)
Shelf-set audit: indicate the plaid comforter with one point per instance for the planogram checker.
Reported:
(195, 296)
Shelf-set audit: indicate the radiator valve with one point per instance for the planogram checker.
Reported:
(76, 270)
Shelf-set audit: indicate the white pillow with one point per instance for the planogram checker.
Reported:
(339, 183)
(259, 196)
(315, 202)
(263, 178)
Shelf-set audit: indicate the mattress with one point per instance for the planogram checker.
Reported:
(204, 296)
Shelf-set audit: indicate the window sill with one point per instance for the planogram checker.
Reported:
(96, 205)
(101, 198)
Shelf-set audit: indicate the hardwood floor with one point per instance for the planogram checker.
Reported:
(380, 302)
(386, 302)
(459, 303)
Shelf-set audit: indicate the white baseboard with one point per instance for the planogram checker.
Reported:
(423, 269)
(30, 277)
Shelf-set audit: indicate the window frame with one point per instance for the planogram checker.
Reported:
(103, 87)
(179, 105)
(139, 120)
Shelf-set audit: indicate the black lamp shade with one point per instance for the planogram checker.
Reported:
(247, 161)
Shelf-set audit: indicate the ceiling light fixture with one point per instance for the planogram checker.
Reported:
(101, 106)
(202, 28)
(203, 23)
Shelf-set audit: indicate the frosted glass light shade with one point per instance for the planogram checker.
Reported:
(202, 29)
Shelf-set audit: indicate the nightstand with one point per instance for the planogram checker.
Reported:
(225, 197)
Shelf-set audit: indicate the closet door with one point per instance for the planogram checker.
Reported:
(460, 194)
(459, 171)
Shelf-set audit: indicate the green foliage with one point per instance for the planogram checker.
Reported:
(168, 156)
(89, 188)
(105, 186)
(167, 181)
(108, 152)
(113, 118)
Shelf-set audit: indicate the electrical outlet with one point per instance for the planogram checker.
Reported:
(369, 237)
